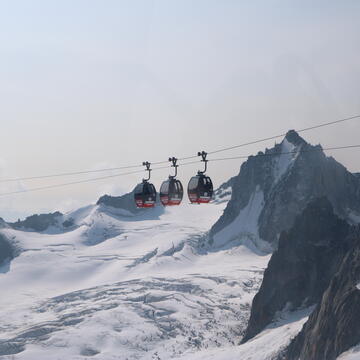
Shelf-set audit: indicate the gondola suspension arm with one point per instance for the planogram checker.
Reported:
(173, 160)
(203, 155)
(147, 165)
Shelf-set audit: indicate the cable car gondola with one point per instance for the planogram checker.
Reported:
(200, 187)
(171, 190)
(145, 192)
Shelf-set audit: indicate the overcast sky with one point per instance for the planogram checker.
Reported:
(87, 84)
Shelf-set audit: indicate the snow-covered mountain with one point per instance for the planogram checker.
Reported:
(271, 190)
(109, 281)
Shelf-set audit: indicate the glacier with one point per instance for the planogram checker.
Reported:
(121, 286)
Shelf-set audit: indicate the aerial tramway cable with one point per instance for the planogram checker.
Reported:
(182, 164)
(180, 159)
(282, 135)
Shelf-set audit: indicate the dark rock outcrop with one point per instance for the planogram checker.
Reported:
(7, 250)
(223, 192)
(2, 223)
(68, 223)
(288, 182)
(334, 326)
(298, 273)
(125, 202)
(38, 222)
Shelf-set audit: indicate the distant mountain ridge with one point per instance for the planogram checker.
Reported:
(125, 202)
(38, 222)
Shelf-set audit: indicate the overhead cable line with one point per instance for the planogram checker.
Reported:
(75, 182)
(287, 153)
(281, 135)
(180, 159)
(182, 164)
(68, 174)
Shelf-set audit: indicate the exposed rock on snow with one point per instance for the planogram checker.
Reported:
(7, 253)
(3, 223)
(125, 202)
(39, 222)
(223, 192)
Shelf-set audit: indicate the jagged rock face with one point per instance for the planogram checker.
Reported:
(334, 326)
(301, 269)
(38, 222)
(282, 186)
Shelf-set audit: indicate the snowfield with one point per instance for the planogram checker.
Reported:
(120, 286)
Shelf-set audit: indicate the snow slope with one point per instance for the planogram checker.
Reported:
(119, 286)
(352, 354)
(245, 229)
(283, 163)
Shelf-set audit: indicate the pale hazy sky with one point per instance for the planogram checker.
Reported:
(87, 84)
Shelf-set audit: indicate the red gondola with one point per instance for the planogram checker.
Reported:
(171, 190)
(200, 187)
(145, 192)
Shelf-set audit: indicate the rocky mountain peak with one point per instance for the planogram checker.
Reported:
(294, 138)
(271, 190)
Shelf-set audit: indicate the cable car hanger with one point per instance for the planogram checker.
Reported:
(173, 160)
(203, 155)
(147, 164)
